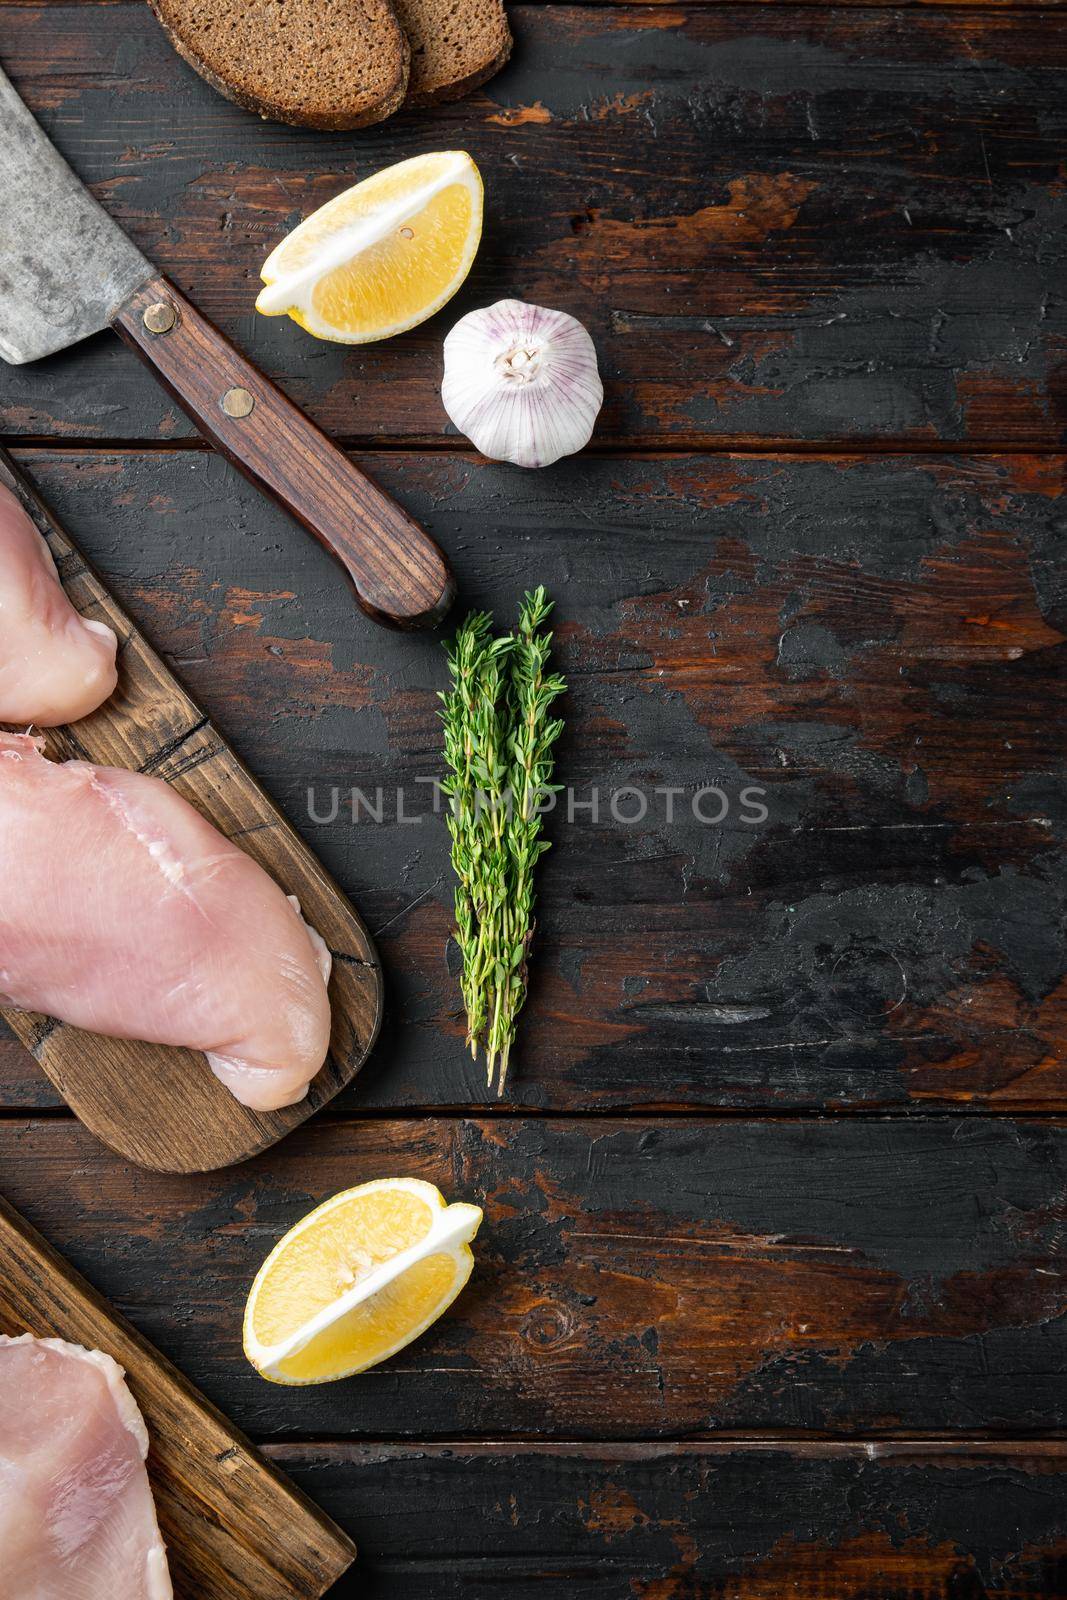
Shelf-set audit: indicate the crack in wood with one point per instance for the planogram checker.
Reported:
(153, 762)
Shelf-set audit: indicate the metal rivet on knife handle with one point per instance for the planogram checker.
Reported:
(237, 403)
(160, 317)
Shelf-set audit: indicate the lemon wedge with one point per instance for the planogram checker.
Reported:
(359, 1278)
(384, 255)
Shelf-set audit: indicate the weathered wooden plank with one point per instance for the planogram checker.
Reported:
(788, 223)
(673, 1522)
(634, 1278)
(876, 644)
(18, 1073)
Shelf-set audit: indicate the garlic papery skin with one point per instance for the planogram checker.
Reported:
(521, 382)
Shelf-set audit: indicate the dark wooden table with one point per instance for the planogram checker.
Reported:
(771, 1294)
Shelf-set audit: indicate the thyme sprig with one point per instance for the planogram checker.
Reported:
(473, 717)
(499, 738)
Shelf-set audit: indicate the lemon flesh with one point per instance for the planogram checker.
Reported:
(358, 1279)
(384, 255)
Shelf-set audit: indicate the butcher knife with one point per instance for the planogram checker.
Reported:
(67, 271)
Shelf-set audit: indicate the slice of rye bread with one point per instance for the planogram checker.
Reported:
(315, 63)
(455, 46)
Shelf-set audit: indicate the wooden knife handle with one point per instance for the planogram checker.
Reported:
(400, 575)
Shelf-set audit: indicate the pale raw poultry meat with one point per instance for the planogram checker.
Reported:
(123, 911)
(55, 666)
(77, 1520)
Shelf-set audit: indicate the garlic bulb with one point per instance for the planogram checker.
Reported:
(522, 383)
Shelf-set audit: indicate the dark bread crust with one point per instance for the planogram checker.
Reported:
(436, 74)
(346, 111)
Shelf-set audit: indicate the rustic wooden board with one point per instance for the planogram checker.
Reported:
(842, 227)
(234, 1528)
(682, 1521)
(876, 642)
(639, 1277)
(777, 223)
(163, 1107)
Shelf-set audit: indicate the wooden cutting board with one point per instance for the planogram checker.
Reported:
(234, 1527)
(163, 1107)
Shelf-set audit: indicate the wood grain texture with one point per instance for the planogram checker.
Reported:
(839, 227)
(777, 223)
(234, 1529)
(398, 575)
(818, 1521)
(634, 1278)
(160, 1106)
(876, 644)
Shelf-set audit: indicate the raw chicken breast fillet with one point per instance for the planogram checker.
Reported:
(54, 665)
(77, 1520)
(123, 911)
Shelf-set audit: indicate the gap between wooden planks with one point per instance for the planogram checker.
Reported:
(635, 447)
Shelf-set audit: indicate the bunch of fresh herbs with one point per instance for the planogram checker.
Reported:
(499, 738)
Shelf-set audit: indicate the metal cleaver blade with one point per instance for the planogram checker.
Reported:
(67, 271)
(65, 267)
